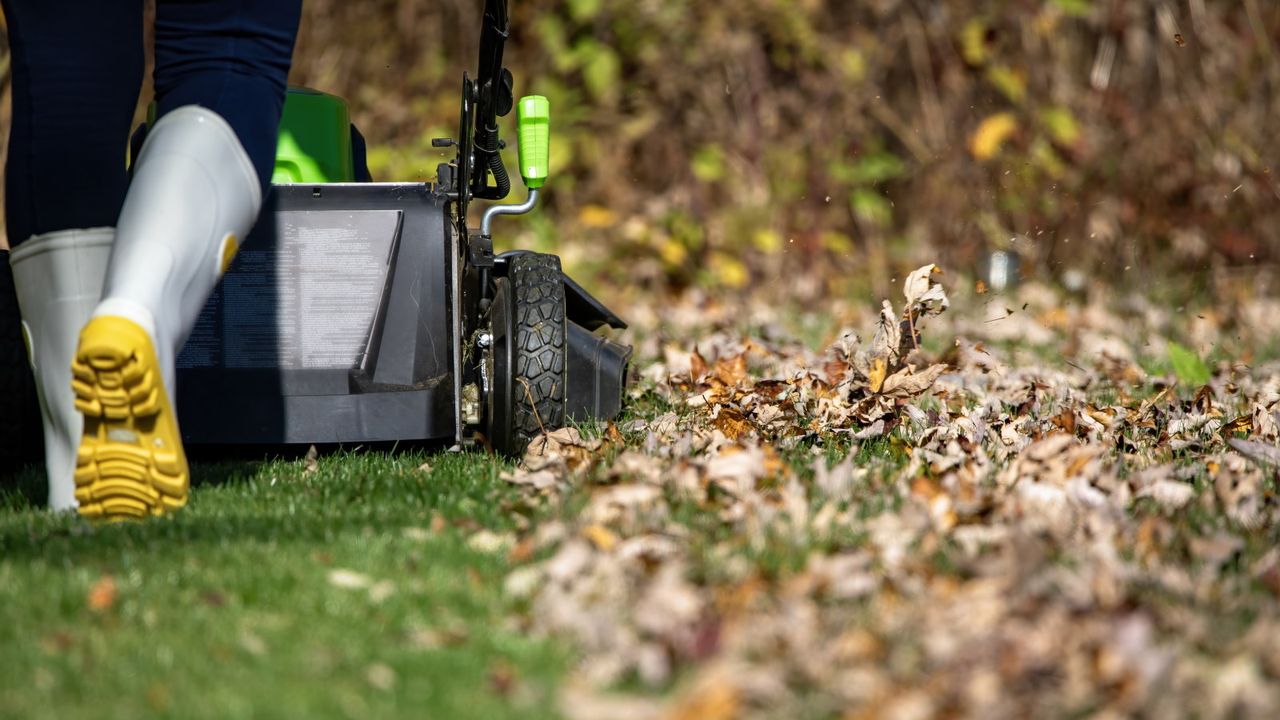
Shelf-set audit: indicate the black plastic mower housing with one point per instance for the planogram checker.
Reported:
(334, 325)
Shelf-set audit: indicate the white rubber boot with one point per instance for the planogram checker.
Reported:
(194, 195)
(59, 281)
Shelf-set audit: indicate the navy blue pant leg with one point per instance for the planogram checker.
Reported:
(233, 57)
(76, 71)
(77, 68)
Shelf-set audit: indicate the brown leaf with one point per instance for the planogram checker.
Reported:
(311, 462)
(888, 335)
(1242, 424)
(716, 699)
(158, 697)
(733, 423)
(613, 434)
(698, 369)
(438, 523)
(924, 293)
(102, 596)
(907, 383)
(564, 448)
(1066, 421)
(502, 677)
(732, 371)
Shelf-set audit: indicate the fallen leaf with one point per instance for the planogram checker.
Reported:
(311, 462)
(1169, 494)
(991, 134)
(102, 595)
(924, 293)
(502, 677)
(564, 447)
(876, 377)
(713, 700)
(252, 643)
(487, 541)
(698, 369)
(1256, 451)
(381, 676)
(733, 423)
(732, 371)
(602, 537)
(348, 579)
(908, 383)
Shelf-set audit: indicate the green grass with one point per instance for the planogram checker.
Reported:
(226, 609)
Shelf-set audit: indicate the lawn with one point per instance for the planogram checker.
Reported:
(349, 590)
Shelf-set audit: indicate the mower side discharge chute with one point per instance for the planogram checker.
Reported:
(597, 375)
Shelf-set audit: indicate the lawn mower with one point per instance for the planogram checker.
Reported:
(362, 312)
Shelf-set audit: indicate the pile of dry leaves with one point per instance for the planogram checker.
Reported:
(881, 531)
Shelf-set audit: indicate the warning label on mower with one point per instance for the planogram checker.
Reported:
(306, 298)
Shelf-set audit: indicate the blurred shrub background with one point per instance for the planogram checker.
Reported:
(829, 144)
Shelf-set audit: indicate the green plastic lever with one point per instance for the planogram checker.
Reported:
(533, 123)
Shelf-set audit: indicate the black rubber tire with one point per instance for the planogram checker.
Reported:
(21, 441)
(538, 390)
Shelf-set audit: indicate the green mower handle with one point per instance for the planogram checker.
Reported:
(533, 127)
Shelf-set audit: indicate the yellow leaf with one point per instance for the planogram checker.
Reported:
(597, 217)
(837, 242)
(1011, 83)
(853, 65)
(991, 135)
(973, 41)
(767, 240)
(1061, 124)
(673, 252)
(602, 537)
(879, 369)
(729, 270)
(715, 699)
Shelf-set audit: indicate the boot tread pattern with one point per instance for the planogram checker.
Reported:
(130, 463)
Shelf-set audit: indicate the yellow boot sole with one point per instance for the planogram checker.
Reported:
(130, 463)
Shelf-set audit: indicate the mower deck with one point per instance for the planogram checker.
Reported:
(332, 324)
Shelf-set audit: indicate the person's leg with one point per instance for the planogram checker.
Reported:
(76, 69)
(221, 67)
(232, 57)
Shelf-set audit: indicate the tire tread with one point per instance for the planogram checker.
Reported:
(540, 352)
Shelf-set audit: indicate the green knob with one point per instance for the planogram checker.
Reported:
(533, 123)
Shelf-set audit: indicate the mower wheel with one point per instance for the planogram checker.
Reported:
(20, 436)
(533, 400)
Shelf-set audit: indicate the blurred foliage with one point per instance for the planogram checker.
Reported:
(757, 141)
(832, 143)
